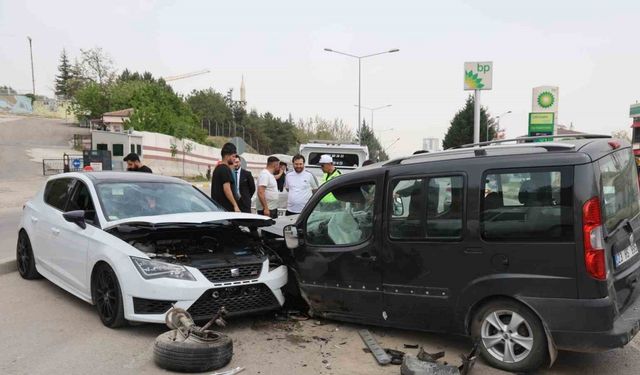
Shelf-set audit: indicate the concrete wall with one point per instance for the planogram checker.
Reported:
(158, 155)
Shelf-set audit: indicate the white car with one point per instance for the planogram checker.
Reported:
(134, 244)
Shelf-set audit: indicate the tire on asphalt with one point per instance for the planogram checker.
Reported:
(190, 356)
(25, 260)
(538, 355)
(107, 296)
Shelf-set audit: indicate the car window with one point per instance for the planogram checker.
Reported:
(427, 208)
(344, 216)
(81, 200)
(618, 178)
(121, 200)
(528, 205)
(57, 192)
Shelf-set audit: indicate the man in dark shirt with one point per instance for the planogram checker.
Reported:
(223, 181)
(134, 164)
(281, 176)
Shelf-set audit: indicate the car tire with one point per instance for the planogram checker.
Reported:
(191, 355)
(25, 260)
(107, 296)
(518, 345)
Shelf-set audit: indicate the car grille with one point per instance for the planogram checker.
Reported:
(234, 273)
(236, 300)
(151, 306)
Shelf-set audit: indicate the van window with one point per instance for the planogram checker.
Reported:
(619, 181)
(57, 192)
(343, 217)
(339, 159)
(528, 205)
(427, 208)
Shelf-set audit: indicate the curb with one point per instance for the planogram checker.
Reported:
(7, 265)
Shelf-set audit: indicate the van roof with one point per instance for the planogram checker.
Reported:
(595, 146)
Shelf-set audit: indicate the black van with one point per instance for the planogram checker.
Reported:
(527, 248)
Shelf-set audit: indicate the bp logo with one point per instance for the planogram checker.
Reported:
(472, 81)
(546, 99)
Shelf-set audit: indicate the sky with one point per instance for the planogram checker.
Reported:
(587, 48)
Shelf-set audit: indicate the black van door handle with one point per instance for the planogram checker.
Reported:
(366, 256)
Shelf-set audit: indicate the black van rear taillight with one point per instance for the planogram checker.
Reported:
(593, 240)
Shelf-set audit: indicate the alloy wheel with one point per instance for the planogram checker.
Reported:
(24, 254)
(507, 336)
(106, 294)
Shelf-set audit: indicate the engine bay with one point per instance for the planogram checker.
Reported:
(197, 245)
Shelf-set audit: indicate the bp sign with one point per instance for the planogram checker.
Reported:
(545, 99)
(541, 124)
(478, 75)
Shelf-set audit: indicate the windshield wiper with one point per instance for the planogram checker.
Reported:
(623, 223)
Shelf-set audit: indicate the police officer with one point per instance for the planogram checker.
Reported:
(330, 172)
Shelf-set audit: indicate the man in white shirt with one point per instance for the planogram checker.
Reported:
(268, 188)
(300, 184)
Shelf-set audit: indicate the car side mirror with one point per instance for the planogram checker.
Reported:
(76, 217)
(398, 206)
(291, 237)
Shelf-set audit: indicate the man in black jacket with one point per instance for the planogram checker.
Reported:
(246, 186)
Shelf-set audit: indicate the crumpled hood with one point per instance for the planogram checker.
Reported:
(244, 219)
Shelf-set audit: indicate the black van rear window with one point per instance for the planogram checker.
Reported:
(532, 205)
(619, 183)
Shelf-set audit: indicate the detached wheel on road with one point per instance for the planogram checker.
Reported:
(107, 296)
(24, 258)
(192, 354)
(510, 336)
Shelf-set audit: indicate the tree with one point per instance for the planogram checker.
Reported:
(210, 106)
(64, 77)
(367, 138)
(621, 134)
(460, 131)
(96, 65)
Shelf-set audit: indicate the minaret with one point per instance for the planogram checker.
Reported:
(243, 93)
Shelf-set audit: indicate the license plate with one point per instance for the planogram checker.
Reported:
(626, 254)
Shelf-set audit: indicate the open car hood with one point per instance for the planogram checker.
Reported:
(242, 219)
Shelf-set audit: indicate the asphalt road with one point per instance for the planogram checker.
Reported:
(9, 219)
(45, 330)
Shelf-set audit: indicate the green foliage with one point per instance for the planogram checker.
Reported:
(210, 107)
(460, 131)
(64, 77)
(156, 107)
(376, 151)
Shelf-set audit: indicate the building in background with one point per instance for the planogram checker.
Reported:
(431, 144)
(634, 113)
(115, 121)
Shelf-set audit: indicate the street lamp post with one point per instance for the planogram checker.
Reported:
(33, 79)
(360, 72)
(497, 124)
(373, 110)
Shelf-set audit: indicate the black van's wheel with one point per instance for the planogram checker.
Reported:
(24, 258)
(510, 336)
(107, 296)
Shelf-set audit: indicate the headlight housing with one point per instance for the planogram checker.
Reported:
(153, 269)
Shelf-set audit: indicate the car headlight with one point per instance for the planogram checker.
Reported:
(153, 269)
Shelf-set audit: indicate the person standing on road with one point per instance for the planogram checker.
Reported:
(268, 188)
(134, 164)
(222, 182)
(246, 187)
(281, 176)
(300, 184)
(330, 172)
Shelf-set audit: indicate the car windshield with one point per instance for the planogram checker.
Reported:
(619, 181)
(339, 159)
(122, 200)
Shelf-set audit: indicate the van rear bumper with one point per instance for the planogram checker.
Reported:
(589, 325)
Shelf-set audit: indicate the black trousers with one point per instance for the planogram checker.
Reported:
(289, 213)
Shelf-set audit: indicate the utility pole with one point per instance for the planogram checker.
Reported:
(33, 79)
